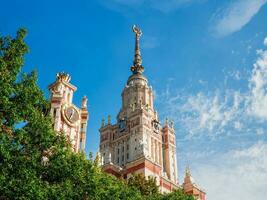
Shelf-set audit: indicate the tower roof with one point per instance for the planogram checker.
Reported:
(188, 180)
(137, 63)
(63, 78)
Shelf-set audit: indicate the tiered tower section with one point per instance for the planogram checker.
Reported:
(68, 118)
(138, 143)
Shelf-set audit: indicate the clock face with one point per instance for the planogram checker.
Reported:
(71, 114)
(155, 124)
(122, 125)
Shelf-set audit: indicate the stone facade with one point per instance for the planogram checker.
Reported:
(67, 117)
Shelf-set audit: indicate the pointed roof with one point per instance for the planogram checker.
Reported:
(188, 175)
(137, 63)
(63, 78)
(188, 179)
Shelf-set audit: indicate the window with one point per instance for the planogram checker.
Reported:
(118, 151)
(127, 156)
(118, 160)
(69, 97)
(82, 128)
(55, 113)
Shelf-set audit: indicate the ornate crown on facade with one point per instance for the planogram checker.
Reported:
(62, 76)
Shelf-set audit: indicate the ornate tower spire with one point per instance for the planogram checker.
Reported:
(187, 171)
(137, 63)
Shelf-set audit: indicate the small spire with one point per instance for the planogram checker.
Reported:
(172, 124)
(187, 171)
(84, 102)
(109, 119)
(137, 63)
(103, 122)
(166, 121)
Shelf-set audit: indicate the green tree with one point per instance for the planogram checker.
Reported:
(178, 195)
(147, 186)
(175, 195)
(26, 133)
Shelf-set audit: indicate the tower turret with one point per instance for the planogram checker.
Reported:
(67, 117)
(190, 186)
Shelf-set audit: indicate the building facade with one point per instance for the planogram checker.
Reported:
(138, 142)
(67, 117)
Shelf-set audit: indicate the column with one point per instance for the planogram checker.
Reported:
(152, 149)
(125, 151)
(115, 153)
(156, 151)
(160, 154)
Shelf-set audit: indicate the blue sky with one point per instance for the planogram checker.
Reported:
(206, 61)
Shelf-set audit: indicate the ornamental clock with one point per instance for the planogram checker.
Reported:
(70, 114)
(122, 124)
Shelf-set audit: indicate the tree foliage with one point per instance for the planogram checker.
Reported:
(147, 186)
(36, 162)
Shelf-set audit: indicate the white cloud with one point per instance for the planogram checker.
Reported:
(235, 74)
(265, 41)
(240, 119)
(237, 174)
(205, 114)
(260, 131)
(222, 111)
(238, 125)
(258, 85)
(235, 16)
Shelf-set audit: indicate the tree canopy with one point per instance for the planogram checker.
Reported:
(38, 163)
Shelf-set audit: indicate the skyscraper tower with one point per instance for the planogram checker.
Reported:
(138, 142)
(68, 118)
